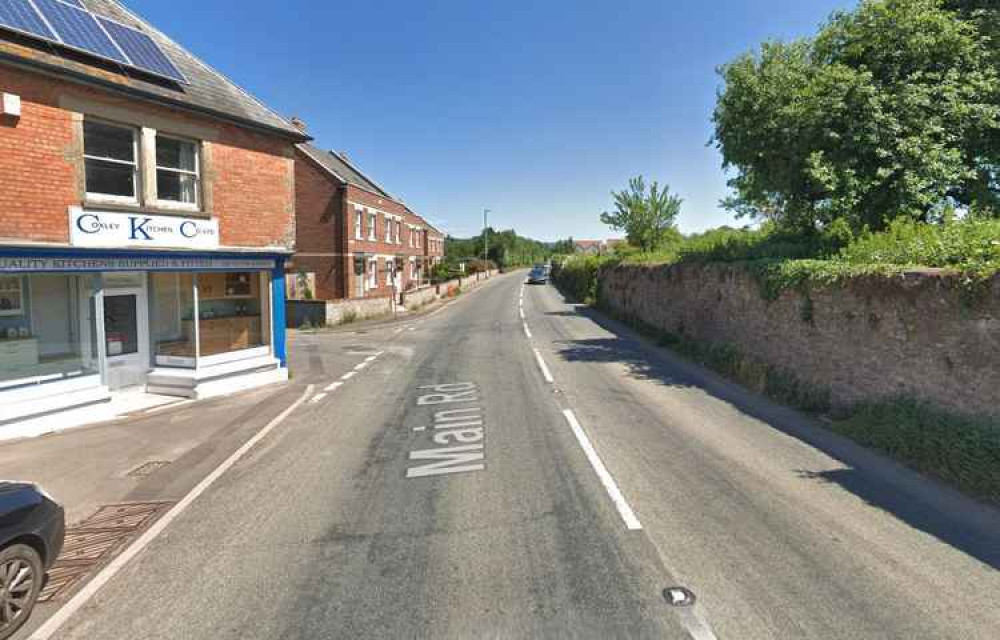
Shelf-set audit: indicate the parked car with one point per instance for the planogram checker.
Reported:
(538, 275)
(32, 528)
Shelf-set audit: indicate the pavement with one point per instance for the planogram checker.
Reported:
(512, 465)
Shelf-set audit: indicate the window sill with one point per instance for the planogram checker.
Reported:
(120, 207)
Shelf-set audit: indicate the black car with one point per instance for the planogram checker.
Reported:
(32, 527)
(538, 275)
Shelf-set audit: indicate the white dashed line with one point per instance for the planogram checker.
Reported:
(631, 522)
(370, 358)
(348, 375)
(527, 331)
(360, 366)
(544, 367)
(317, 398)
(521, 311)
(334, 386)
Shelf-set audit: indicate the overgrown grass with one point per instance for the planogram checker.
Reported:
(781, 261)
(964, 452)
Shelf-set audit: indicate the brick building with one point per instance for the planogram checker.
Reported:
(353, 238)
(147, 212)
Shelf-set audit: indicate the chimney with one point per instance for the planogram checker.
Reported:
(299, 124)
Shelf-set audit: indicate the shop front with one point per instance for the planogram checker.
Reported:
(78, 325)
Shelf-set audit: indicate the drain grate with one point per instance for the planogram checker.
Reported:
(62, 577)
(129, 515)
(147, 468)
(92, 542)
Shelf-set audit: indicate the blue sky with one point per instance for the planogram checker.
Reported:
(533, 109)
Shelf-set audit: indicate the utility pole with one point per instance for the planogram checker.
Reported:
(486, 235)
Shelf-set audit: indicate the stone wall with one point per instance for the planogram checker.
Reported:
(317, 313)
(419, 297)
(867, 339)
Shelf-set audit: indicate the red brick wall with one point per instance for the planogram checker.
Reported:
(41, 167)
(319, 228)
(38, 181)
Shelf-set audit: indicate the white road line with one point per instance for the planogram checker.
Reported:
(378, 353)
(521, 311)
(348, 375)
(631, 522)
(544, 367)
(527, 331)
(360, 366)
(334, 386)
(317, 398)
(398, 330)
(53, 624)
(370, 358)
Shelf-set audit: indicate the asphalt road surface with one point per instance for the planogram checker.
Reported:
(470, 474)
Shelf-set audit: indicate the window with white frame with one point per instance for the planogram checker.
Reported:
(388, 229)
(111, 162)
(373, 273)
(372, 231)
(359, 221)
(178, 167)
(398, 226)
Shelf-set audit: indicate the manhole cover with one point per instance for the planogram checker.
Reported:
(147, 468)
(678, 596)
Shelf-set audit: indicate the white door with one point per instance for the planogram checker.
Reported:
(126, 337)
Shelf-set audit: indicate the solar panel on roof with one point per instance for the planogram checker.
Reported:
(21, 16)
(78, 28)
(140, 48)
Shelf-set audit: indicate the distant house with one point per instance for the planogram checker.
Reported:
(354, 239)
(589, 247)
(597, 247)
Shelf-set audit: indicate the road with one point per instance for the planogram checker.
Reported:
(447, 480)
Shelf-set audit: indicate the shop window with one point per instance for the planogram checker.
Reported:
(177, 171)
(172, 319)
(11, 296)
(111, 161)
(230, 313)
(47, 329)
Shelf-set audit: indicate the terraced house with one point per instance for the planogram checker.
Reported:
(147, 208)
(354, 238)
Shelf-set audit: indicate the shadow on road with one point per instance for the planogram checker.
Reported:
(922, 503)
(984, 548)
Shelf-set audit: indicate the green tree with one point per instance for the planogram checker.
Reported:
(892, 110)
(647, 218)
